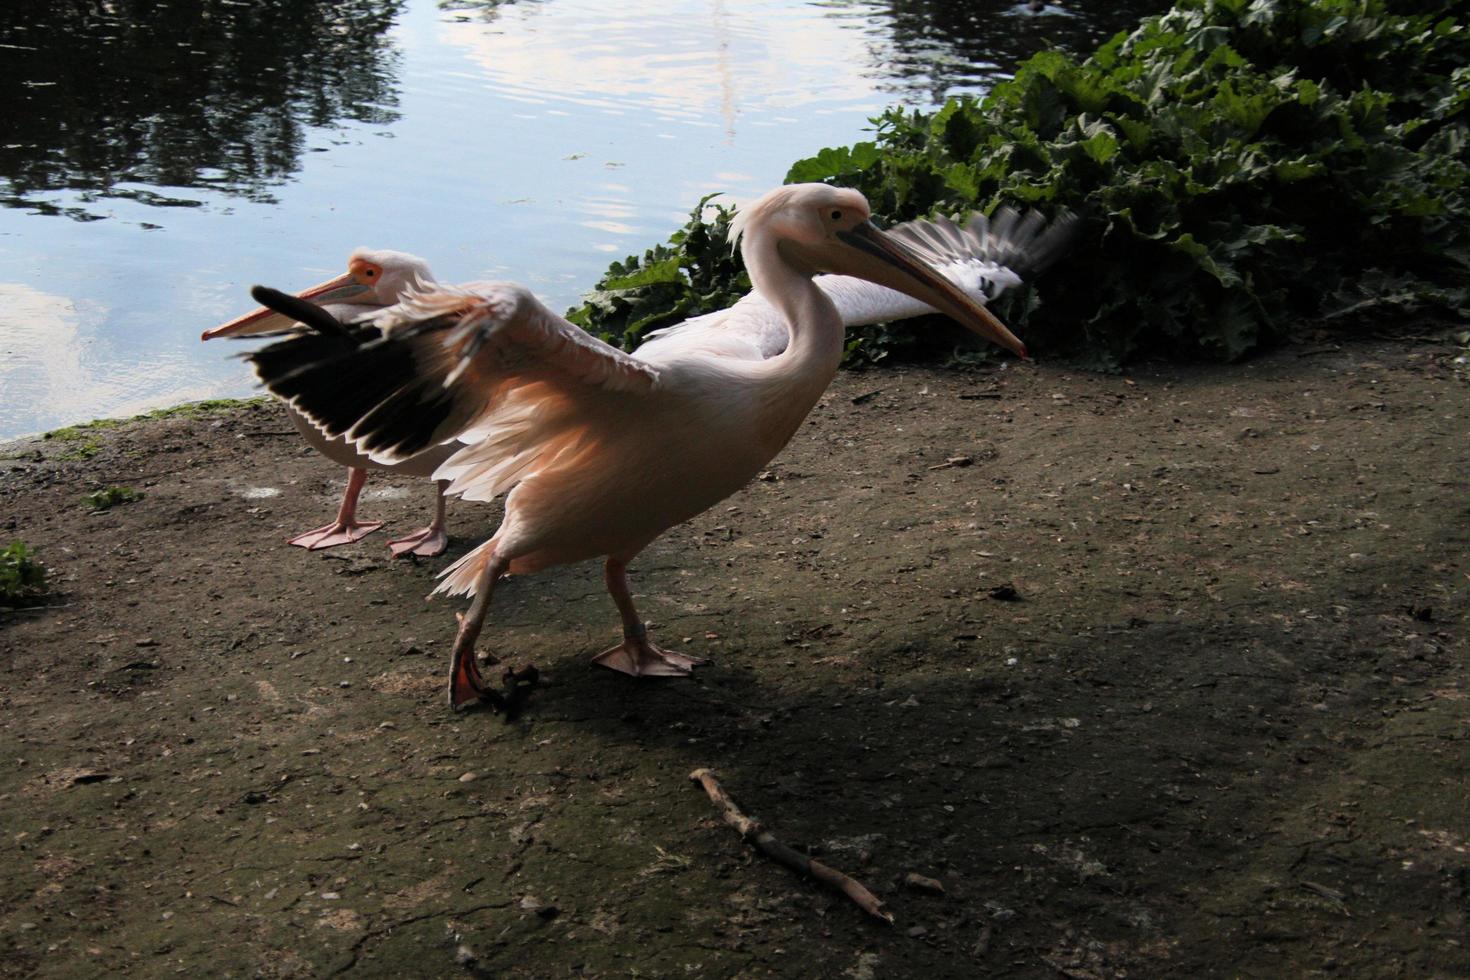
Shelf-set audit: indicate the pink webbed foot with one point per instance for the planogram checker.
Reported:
(466, 685)
(640, 658)
(426, 543)
(334, 534)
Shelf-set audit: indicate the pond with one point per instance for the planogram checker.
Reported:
(160, 156)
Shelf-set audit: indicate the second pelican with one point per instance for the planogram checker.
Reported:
(375, 278)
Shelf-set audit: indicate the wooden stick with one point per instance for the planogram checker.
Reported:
(762, 840)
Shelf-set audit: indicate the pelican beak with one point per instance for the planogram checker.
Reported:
(880, 258)
(342, 289)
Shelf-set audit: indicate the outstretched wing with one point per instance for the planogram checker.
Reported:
(446, 358)
(1006, 241)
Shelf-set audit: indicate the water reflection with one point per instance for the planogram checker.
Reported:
(932, 49)
(142, 99)
(49, 366)
(683, 63)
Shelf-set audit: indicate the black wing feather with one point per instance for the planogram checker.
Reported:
(335, 380)
(363, 382)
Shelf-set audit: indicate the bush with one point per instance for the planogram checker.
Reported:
(1240, 164)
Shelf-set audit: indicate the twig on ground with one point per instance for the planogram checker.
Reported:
(763, 841)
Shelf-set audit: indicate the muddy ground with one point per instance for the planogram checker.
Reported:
(1221, 729)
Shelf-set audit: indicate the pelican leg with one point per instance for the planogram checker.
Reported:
(466, 685)
(636, 655)
(431, 540)
(346, 528)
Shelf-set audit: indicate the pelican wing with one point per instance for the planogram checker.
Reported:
(1007, 241)
(447, 358)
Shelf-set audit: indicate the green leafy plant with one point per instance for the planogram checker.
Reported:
(110, 497)
(1241, 165)
(22, 577)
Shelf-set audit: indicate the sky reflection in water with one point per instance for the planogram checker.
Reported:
(157, 171)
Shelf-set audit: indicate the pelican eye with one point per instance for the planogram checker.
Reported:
(836, 215)
(366, 273)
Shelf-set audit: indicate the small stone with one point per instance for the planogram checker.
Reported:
(468, 777)
(146, 641)
(918, 932)
(920, 883)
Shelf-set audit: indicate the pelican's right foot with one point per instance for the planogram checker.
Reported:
(334, 534)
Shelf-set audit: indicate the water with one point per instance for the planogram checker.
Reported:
(159, 156)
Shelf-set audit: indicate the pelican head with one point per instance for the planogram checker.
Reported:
(817, 228)
(374, 278)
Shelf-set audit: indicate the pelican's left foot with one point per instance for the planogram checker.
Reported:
(640, 658)
(427, 543)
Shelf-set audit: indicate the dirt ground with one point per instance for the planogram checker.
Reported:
(1157, 675)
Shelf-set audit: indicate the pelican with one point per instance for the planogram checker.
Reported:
(375, 279)
(600, 451)
(983, 257)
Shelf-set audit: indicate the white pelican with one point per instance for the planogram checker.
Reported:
(601, 451)
(375, 278)
(984, 257)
